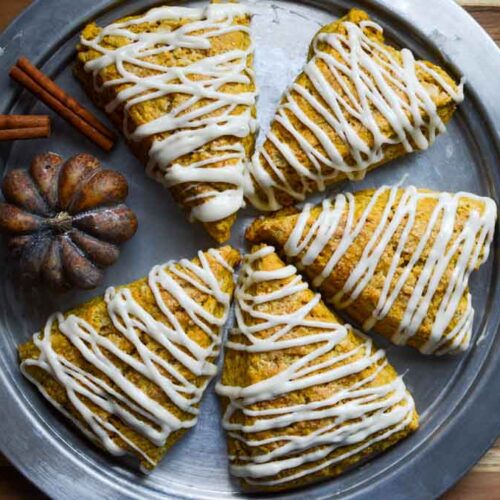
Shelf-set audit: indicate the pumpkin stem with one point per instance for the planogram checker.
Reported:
(61, 223)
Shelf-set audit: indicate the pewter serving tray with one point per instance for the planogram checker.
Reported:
(458, 398)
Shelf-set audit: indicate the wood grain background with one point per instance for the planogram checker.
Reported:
(481, 483)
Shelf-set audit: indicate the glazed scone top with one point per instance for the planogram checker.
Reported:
(406, 252)
(116, 363)
(209, 110)
(305, 349)
(355, 97)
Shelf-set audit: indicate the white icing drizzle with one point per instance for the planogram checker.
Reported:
(371, 81)
(360, 414)
(187, 124)
(118, 395)
(470, 248)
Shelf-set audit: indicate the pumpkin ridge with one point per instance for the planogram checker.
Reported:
(109, 251)
(18, 187)
(89, 223)
(86, 178)
(45, 158)
(77, 267)
(38, 193)
(53, 270)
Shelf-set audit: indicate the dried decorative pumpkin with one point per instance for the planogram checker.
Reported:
(65, 219)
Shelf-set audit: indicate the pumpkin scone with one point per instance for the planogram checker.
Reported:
(358, 103)
(305, 397)
(396, 260)
(129, 369)
(179, 83)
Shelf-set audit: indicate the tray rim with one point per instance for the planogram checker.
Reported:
(401, 480)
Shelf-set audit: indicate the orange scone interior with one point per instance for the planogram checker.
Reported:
(358, 103)
(179, 83)
(130, 368)
(305, 397)
(396, 260)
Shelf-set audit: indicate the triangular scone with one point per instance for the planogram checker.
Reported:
(304, 396)
(179, 83)
(130, 368)
(397, 260)
(358, 103)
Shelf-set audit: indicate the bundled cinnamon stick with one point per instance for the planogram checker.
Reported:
(15, 127)
(23, 121)
(64, 105)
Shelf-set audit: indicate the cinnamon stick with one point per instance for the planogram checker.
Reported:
(23, 121)
(61, 95)
(29, 81)
(24, 133)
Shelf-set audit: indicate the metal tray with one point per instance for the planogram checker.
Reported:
(457, 397)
